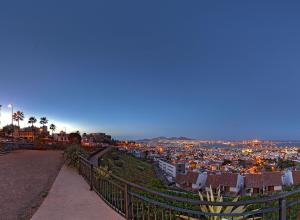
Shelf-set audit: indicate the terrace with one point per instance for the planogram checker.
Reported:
(136, 202)
(125, 199)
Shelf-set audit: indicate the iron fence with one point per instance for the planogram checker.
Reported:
(136, 202)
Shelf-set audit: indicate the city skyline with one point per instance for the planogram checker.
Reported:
(6, 119)
(201, 70)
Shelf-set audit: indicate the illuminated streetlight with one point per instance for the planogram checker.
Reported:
(12, 112)
(12, 115)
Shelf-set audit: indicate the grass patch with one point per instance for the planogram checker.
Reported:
(131, 169)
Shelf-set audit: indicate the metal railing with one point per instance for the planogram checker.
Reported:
(136, 202)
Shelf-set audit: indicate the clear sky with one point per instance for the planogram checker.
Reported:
(203, 69)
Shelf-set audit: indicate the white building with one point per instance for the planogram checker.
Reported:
(61, 137)
(287, 178)
(291, 177)
(168, 168)
(200, 182)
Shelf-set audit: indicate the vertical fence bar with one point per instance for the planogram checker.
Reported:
(282, 209)
(91, 176)
(127, 202)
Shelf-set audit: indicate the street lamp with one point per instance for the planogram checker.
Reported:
(12, 113)
(12, 117)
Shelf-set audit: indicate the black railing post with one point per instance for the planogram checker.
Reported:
(91, 176)
(282, 209)
(127, 202)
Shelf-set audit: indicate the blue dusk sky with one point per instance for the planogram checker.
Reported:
(135, 69)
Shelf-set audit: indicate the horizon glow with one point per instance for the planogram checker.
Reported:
(60, 125)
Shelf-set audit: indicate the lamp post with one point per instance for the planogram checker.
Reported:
(12, 116)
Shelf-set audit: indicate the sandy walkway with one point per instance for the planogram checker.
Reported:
(25, 178)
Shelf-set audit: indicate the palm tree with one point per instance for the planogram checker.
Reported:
(43, 121)
(18, 116)
(52, 127)
(31, 121)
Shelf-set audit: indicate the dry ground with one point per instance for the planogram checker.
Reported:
(26, 176)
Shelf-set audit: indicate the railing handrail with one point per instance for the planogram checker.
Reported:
(201, 213)
(200, 202)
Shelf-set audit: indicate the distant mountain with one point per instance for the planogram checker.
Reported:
(181, 138)
(166, 139)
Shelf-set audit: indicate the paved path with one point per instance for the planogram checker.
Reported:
(71, 199)
(94, 159)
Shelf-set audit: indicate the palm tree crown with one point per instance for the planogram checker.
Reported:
(52, 127)
(31, 121)
(43, 121)
(18, 116)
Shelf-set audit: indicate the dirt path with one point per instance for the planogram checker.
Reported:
(25, 178)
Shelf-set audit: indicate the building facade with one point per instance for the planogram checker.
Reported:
(167, 168)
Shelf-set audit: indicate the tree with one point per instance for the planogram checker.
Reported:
(18, 116)
(52, 127)
(8, 129)
(226, 162)
(32, 121)
(283, 164)
(43, 121)
(75, 138)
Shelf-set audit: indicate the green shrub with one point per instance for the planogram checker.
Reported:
(114, 156)
(119, 163)
(102, 172)
(141, 168)
(72, 154)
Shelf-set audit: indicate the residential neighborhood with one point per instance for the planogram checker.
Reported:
(246, 168)
(40, 134)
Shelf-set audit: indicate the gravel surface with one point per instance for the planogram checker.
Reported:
(26, 176)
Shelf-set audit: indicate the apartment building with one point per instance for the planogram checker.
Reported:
(167, 168)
